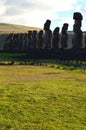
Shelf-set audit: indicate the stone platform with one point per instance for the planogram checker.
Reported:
(61, 54)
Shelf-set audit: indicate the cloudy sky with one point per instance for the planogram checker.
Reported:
(35, 12)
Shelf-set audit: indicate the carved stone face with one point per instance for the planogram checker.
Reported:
(41, 32)
(56, 30)
(77, 16)
(65, 26)
(47, 25)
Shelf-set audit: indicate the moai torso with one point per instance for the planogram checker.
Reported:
(47, 34)
(8, 42)
(40, 39)
(21, 40)
(64, 36)
(29, 39)
(55, 39)
(18, 40)
(26, 41)
(34, 39)
(85, 40)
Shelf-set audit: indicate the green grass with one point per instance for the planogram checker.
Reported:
(5, 56)
(42, 98)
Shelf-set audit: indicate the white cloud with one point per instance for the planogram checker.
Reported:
(35, 12)
(2, 7)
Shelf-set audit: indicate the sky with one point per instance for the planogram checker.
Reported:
(34, 13)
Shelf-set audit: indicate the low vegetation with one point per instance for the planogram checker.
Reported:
(46, 95)
(13, 28)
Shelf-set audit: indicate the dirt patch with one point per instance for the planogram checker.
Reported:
(81, 80)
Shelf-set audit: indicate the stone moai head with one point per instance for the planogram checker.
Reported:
(40, 32)
(56, 31)
(77, 16)
(34, 33)
(47, 25)
(29, 32)
(65, 28)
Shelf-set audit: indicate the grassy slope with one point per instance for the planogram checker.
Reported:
(42, 98)
(7, 28)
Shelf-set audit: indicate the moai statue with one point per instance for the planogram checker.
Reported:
(18, 41)
(21, 41)
(55, 39)
(47, 34)
(14, 43)
(78, 35)
(34, 39)
(40, 39)
(64, 36)
(29, 39)
(8, 41)
(85, 40)
(26, 41)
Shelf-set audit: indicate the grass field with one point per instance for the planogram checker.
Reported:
(41, 97)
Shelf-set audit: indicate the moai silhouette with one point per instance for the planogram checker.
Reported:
(40, 39)
(78, 35)
(8, 41)
(25, 40)
(85, 40)
(55, 39)
(64, 36)
(21, 41)
(47, 34)
(14, 42)
(29, 38)
(18, 40)
(34, 39)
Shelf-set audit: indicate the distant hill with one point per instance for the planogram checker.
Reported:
(13, 28)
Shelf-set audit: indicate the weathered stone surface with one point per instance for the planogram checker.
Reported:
(77, 16)
(40, 39)
(34, 39)
(47, 34)
(78, 35)
(56, 38)
(64, 36)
